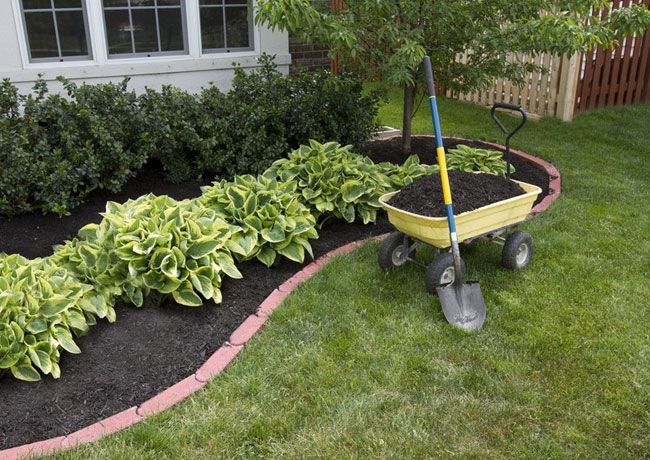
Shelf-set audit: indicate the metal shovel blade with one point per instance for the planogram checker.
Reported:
(463, 305)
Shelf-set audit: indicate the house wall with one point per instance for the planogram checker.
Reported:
(190, 72)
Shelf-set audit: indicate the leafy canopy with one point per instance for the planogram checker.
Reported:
(386, 39)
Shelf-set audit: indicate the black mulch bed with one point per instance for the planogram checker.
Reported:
(424, 147)
(33, 235)
(471, 191)
(151, 348)
(145, 351)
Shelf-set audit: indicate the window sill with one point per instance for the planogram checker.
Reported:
(117, 67)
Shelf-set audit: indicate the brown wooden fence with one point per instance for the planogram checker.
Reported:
(577, 83)
(615, 77)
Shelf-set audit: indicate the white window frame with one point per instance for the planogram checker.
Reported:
(98, 46)
(228, 49)
(54, 10)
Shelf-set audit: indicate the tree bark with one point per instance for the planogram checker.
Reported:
(409, 96)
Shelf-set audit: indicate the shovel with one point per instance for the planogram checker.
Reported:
(462, 304)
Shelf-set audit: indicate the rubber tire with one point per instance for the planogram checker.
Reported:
(388, 247)
(511, 247)
(436, 269)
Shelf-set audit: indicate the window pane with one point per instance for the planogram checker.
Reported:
(108, 3)
(34, 4)
(236, 2)
(211, 2)
(212, 28)
(67, 3)
(142, 3)
(41, 35)
(169, 2)
(237, 27)
(118, 31)
(171, 29)
(144, 30)
(72, 33)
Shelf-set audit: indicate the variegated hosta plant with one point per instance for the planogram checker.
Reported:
(402, 175)
(333, 180)
(470, 159)
(41, 306)
(155, 243)
(270, 215)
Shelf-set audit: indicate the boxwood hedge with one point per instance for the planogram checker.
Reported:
(55, 150)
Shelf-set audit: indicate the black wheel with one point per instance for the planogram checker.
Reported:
(441, 271)
(517, 251)
(390, 253)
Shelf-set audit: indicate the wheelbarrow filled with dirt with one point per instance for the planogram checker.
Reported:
(422, 221)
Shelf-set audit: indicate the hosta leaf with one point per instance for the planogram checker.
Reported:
(243, 243)
(55, 305)
(274, 234)
(352, 191)
(25, 371)
(169, 266)
(186, 296)
(169, 285)
(227, 265)
(65, 340)
(202, 248)
(36, 325)
(293, 252)
(203, 284)
(266, 255)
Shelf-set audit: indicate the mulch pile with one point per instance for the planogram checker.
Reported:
(469, 191)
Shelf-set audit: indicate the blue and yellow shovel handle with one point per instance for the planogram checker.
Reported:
(442, 163)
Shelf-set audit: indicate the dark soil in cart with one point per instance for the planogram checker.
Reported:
(469, 191)
(424, 147)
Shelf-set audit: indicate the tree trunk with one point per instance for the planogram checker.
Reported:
(409, 96)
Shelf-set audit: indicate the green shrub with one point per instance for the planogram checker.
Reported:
(179, 130)
(41, 306)
(470, 159)
(271, 217)
(154, 244)
(56, 150)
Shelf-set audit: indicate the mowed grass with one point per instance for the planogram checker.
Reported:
(361, 364)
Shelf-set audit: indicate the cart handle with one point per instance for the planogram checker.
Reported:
(512, 107)
(524, 117)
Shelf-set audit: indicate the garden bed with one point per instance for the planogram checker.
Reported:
(165, 343)
(424, 147)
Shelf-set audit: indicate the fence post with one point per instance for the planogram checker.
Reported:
(568, 85)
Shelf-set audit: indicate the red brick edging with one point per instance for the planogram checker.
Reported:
(181, 390)
(224, 355)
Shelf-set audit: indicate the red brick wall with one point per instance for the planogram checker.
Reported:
(311, 57)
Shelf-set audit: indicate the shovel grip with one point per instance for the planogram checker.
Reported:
(431, 86)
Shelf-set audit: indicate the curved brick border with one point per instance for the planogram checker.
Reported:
(224, 355)
(554, 182)
(176, 393)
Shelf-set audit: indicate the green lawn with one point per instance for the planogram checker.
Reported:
(359, 363)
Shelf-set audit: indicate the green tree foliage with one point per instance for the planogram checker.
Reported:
(386, 39)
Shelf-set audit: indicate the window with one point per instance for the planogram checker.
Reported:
(56, 30)
(145, 27)
(226, 25)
